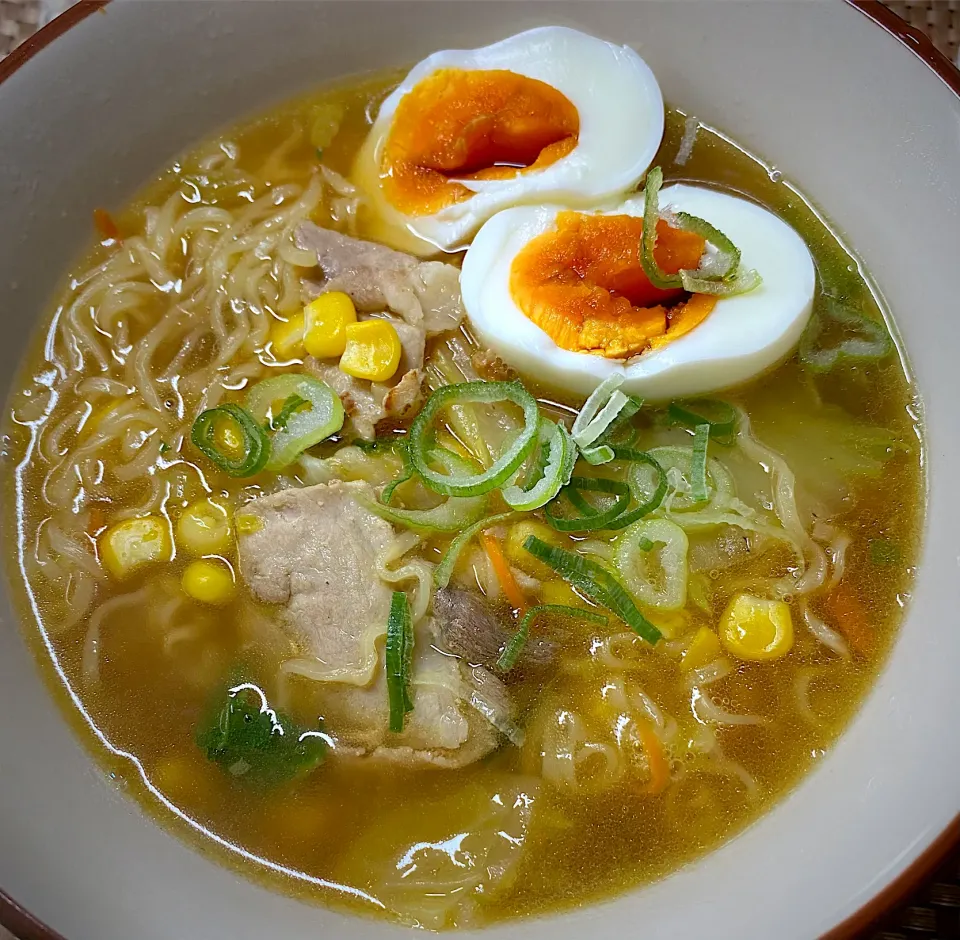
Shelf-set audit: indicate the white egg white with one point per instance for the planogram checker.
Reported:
(743, 336)
(621, 124)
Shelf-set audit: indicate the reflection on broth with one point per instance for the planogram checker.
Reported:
(232, 598)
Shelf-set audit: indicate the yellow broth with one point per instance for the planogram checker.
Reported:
(162, 658)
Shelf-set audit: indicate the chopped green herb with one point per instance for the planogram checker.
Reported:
(319, 153)
(248, 739)
(698, 464)
(885, 552)
(164, 447)
(399, 653)
(592, 517)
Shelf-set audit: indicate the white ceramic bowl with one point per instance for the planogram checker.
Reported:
(850, 111)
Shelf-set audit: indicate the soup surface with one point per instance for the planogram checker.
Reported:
(595, 762)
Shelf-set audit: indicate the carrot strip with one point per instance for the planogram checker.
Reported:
(504, 575)
(850, 619)
(659, 766)
(105, 226)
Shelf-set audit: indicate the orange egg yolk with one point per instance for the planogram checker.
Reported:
(460, 124)
(584, 286)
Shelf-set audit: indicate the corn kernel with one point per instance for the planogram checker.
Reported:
(757, 629)
(703, 648)
(208, 581)
(204, 529)
(287, 338)
(513, 546)
(372, 351)
(131, 544)
(326, 319)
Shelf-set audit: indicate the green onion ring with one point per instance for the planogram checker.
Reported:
(668, 591)
(595, 582)
(256, 444)
(405, 474)
(648, 239)
(444, 571)
(647, 505)
(591, 518)
(513, 649)
(474, 484)
(720, 415)
(450, 516)
(873, 342)
(728, 251)
(743, 282)
(301, 428)
(734, 281)
(561, 456)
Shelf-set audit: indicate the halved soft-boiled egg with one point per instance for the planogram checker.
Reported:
(547, 115)
(561, 295)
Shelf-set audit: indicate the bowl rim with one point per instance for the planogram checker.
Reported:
(26, 926)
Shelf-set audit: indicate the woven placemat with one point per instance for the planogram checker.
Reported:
(933, 912)
(939, 19)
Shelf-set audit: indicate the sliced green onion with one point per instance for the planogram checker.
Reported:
(728, 259)
(870, 341)
(561, 456)
(595, 582)
(611, 435)
(513, 649)
(254, 441)
(474, 484)
(405, 474)
(596, 456)
(698, 464)
(733, 280)
(398, 658)
(599, 411)
(648, 504)
(678, 464)
(592, 518)
(632, 556)
(743, 282)
(292, 404)
(299, 427)
(648, 240)
(720, 415)
(450, 516)
(444, 571)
